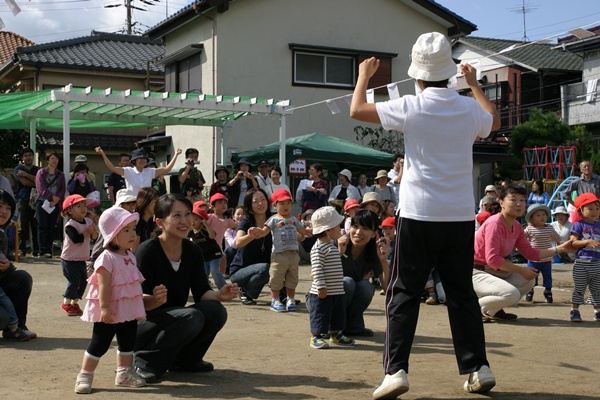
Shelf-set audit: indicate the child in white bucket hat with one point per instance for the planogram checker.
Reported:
(326, 296)
(439, 128)
(114, 302)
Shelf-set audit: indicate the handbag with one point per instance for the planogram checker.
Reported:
(34, 196)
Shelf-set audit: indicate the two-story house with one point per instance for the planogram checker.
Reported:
(305, 51)
(581, 105)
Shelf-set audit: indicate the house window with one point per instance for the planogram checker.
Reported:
(335, 67)
(494, 93)
(184, 75)
(324, 69)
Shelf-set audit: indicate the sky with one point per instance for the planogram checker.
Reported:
(50, 20)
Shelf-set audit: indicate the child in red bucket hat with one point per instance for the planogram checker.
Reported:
(219, 222)
(204, 236)
(585, 234)
(284, 257)
(76, 250)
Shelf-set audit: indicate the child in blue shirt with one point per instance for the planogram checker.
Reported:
(585, 234)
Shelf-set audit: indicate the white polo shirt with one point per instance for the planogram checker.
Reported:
(135, 180)
(439, 129)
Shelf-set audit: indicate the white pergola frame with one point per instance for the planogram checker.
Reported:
(148, 108)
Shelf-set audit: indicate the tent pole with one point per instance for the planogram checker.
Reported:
(33, 138)
(224, 141)
(282, 161)
(66, 140)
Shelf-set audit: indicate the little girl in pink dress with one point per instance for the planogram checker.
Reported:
(114, 301)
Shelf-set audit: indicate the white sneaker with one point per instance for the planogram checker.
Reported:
(480, 381)
(392, 386)
(83, 384)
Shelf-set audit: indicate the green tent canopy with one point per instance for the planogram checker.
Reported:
(333, 153)
(96, 108)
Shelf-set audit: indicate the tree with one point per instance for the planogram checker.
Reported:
(12, 143)
(540, 130)
(380, 139)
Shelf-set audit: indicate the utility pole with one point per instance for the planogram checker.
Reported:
(128, 7)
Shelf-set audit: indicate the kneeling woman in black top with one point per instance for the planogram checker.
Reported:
(175, 336)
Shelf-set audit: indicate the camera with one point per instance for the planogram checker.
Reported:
(193, 162)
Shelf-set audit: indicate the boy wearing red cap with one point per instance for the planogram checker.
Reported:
(76, 251)
(585, 234)
(284, 257)
(219, 223)
(204, 236)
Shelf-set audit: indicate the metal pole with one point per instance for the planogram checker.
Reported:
(33, 138)
(66, 140)
(282, 161)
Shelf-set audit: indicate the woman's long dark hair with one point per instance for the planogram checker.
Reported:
(540, 186)
(144, 198)
(367, 219)
(248, 204)
(6, 198)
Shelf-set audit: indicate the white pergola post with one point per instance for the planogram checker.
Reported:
(33, 139)
(225, 140)
(66, 140)
(282, 161)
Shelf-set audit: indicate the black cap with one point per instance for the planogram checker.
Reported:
(263, 163)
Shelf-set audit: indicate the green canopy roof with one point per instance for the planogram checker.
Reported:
(92, 108)
(333, 153)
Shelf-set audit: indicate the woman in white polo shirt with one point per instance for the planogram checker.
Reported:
(138, 176)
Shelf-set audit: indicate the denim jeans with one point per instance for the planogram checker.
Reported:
(252, 278)
(177, 336)
(212, 268)
(46, 225)
(8, 315)
(357, 297)
(17, 286)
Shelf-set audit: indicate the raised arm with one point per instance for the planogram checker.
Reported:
(470, 75)
(169, 167)
(109, 164)
(360, 109)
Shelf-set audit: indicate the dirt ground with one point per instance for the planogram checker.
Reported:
(265, 355)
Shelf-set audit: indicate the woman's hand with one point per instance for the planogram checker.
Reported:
(342, 244)
(528, 273)
(567, 247)
(4, 264)
(160, 295)
(230, 291)
(383, 248)
(322, 293)
(99, 150)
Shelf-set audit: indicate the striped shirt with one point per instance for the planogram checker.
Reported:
(542, 238)
(326, 269)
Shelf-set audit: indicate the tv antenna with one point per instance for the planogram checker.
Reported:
(524, 9)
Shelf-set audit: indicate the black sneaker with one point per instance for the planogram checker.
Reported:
(548, 296)
(246, 300)
(503, 315)
(18, 335)
(529, 296)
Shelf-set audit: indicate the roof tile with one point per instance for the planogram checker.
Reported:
(9, 41)
(102, 51)
(532, 55)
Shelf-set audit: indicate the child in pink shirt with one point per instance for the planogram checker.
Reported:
(115, 301)
(219, 223)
